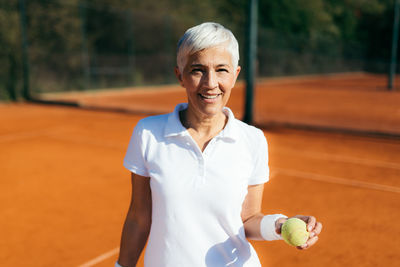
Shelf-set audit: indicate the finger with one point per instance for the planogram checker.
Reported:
(303, 218)
(311, 223)
(309, 220)
(279, 228)
(317, 230)
(310, 242)
(279, 223)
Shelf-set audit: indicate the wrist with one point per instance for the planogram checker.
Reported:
(268, 226)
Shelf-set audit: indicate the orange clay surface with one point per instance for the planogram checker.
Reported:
(64, 192)
(355, 102)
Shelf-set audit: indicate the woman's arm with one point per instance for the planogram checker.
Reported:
(252, 217)
(137, 223)
(251, 212)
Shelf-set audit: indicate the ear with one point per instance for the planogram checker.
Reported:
(178, 75)
(237, 72)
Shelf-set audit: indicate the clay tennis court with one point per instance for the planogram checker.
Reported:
(334, 153)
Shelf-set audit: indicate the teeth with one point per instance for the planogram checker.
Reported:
(210, 96)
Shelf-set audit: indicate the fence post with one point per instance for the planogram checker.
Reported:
(131, 48)
(85, 49)
(395, 38)
(251, 52)
(25, 57)
(169, 50)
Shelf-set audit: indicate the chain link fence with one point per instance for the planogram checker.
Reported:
(80, 45)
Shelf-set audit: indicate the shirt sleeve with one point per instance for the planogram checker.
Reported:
(261, 170)
(134, 159)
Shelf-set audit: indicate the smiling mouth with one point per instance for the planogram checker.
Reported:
(209, 96)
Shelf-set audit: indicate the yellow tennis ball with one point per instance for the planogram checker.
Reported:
(294, 232)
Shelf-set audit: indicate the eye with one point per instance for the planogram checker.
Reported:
(196, 70)
(222, 70)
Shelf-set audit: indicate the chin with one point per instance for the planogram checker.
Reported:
(213, 111)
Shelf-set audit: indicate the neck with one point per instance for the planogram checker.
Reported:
(202, 124)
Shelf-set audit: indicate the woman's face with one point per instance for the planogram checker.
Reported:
(208, 77)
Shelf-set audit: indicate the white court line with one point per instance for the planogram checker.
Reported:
(345, 159)
(100, 258)
(299, 174)
(337, 180)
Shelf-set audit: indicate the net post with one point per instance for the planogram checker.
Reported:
(251, 54)
(395, 38)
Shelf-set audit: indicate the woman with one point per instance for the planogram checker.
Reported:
(198, 173)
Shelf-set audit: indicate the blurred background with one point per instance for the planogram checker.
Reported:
(70, 45)
(321, 96)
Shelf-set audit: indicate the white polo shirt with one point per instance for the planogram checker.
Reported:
(197, 196)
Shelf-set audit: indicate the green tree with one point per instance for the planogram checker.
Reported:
(9, 50)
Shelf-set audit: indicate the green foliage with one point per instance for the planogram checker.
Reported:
(307, 17)
(77, 44)
(9, 44)
(345, 34)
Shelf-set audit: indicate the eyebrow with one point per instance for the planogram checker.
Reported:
(196, 65)
(201, 65)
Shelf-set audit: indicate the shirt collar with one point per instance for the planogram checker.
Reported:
(230, 132)
(174, 126)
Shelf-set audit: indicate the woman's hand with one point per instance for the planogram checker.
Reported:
(313, 227)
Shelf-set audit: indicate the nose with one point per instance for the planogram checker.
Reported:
(210, 80)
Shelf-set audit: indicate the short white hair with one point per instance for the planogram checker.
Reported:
(206, 35)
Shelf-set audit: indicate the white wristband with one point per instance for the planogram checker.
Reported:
(117, 264)
(267, 227)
